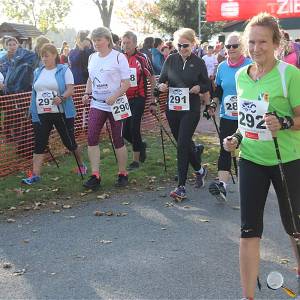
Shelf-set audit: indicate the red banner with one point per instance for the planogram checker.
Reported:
(234, 10)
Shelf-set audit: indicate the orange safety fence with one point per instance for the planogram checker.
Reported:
(16, 133)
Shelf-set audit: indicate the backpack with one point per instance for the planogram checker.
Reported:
(19, 77)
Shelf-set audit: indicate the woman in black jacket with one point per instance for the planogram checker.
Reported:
(184, 77)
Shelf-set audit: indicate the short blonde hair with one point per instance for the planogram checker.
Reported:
(265, 20)
(103, 32)
(186, 33)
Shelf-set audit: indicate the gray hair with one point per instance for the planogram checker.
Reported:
(130, 35)
(102, 32)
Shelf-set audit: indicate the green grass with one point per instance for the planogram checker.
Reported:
(61, 184)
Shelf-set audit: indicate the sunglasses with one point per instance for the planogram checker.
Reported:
(233, 46)
(183, 45)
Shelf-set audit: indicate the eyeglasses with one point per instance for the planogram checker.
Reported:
(233, 46)
(183, 45)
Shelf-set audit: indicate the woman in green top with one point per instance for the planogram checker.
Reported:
(268, 85)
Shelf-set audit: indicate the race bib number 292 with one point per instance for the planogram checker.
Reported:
(251, 119)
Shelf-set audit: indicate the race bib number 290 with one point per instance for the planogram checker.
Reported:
(121, 109)
(251, 119)
(179, 99)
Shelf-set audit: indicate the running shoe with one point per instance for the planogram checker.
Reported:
(93, 183)
(122, 180)
(199, 148)
(31, 179)
(133, 166)
(83, 170)
(218, 190)
(143, 154)
(178, 194)
(200, 178)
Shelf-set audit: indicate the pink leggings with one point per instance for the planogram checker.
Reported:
(97, 118)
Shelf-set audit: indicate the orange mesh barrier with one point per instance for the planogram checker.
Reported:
(16, 133)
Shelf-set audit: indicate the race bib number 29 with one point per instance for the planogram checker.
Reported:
(44, 102)
(251, 122)
(179, 99)
(121, 109)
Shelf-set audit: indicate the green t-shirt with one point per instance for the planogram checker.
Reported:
(278, 91)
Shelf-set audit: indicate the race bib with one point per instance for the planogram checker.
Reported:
(179, 99)
(133, 77)
(121, 109)
(251, 122)
(230, 106)
(44, 102)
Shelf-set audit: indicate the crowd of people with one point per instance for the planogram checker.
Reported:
(252, 80)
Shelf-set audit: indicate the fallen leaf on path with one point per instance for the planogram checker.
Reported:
(52, 274)
(6, 266)
(66, 206)
(121, 214)
(19, 272)
(284, 261)
(203, 220)
(186, 207)
(55, 190)
(55, 178)
(109, 213)
(70, 217)
(163, 228)
(99, 213)
(105, 242)
(103, 196)
(10, 220)
(125, 203)
(169, 204)
(55, 211)
(83, 194)
(12, 208)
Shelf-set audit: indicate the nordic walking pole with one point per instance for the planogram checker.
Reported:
(52, 156)
(218, 132)
(158, 116)
(70, 140)
(296, 234)
(166, 132)
(111, 141)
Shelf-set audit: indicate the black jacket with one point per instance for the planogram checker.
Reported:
(178, 73)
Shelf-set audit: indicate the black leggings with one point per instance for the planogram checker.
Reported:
(254, 181)
(227, 127)
(183, 125)
(42, 131)
(132, 125)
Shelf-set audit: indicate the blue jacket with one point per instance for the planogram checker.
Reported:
(157, 60)
(18, 72)
(68, 104)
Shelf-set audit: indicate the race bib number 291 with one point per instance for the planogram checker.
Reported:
(179, 99)
(251, 119)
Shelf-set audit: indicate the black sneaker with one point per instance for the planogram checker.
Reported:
(93, 183)
(218, 190)
(122, 180)
(200, 178)
(199, 148)
(133, 166)
(143, 154)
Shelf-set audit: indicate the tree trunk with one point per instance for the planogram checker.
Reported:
(105, 11)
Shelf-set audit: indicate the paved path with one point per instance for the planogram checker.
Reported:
(157, 251)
